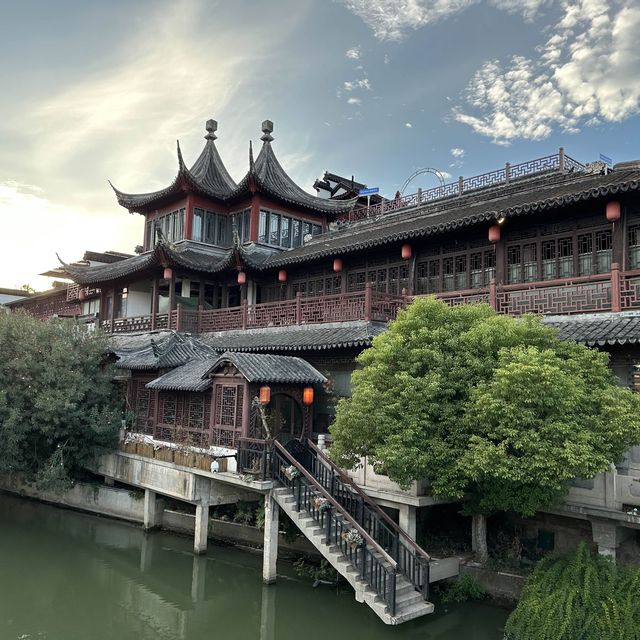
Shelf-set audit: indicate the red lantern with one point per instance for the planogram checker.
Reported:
(82, 294)
(242, 277)
(282, 276)
(167, 273)
(307, 395)
(406, 251)
(265, 395)
(337, 264)
(494, 233)
(613, 211)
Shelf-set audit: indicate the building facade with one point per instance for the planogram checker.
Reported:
(232, 271)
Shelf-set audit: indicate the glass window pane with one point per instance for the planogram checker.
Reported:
(285, 235)
(306, 229)
(316, 230)
(274, 229)
(262, 231)
(297, 233)
(196, 231)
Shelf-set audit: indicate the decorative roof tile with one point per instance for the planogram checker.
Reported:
(191, 376)
(598, 329)
(266, 368)
(519, 197)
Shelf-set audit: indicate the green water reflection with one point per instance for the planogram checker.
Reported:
(71, 576)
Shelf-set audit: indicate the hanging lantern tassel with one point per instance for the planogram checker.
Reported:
(406, 251)
(613, 211)
(167, 273)
(337, 265)
(282, 276)
(494, 233)
(265, 395)
(307, 395)
(242, 277)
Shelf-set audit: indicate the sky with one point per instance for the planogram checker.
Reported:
(96, 91)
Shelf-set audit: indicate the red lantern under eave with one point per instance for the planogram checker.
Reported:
(265, 395)
(337, 265)
(242, 277)
(406, 251)
(282, 276)
(307, 395)
(494, 233)
(82, 294)
(167, 273)
(613, 211)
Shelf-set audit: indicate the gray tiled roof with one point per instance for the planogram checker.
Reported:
(269, 175)
(191, 376)
(159, 351)
(519, 197)
(598, 329)
(268, 368)
(208, 176)
(310, 337)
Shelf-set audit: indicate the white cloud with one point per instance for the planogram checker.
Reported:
(395, 19)
(446, 175)
(457, 152)
(354, 101)
(408, 125)
(31, 253)
(354, 53)
(588, 72)
(358, 84)
(386, 58)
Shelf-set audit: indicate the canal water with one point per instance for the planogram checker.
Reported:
(71, 576)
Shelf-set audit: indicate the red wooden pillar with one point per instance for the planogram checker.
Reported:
(188, 218)
(493, 299)
(172, 297)
(615, 287)
(298, 307)
(245, 313)
(179, 317)
(154, 302)
(367, 301)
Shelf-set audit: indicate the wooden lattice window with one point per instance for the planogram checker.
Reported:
(633, 246)
(195, 418)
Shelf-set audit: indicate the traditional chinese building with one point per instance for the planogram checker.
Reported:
(232, 274)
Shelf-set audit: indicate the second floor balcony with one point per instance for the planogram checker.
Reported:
(609, 292)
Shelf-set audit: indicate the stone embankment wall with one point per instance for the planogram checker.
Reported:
(129, 505)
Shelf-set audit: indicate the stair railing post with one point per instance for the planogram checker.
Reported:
(392, 606)
(298, 484)
(328, 513)
(426, 572)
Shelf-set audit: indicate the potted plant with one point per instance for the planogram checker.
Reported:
(290, 472)
(353, 538)
(321, 503)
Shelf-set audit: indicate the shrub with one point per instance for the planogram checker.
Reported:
(466, 587)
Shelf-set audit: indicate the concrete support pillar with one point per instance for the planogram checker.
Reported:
(608, 536)
(407, 519)
(109, 482)
(152, 510)
(198, 578)
(202, 528)
(270, 554)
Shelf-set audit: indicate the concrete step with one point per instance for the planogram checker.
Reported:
(409, 603)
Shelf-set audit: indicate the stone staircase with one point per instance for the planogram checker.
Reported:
(409, 602)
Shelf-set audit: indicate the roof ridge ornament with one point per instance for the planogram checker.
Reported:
(181, 163)
(267, 130)
(211, 126)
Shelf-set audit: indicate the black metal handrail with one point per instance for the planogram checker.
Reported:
(413, 561)
(376, 567)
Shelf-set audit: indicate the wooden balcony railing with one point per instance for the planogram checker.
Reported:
(614, 291)
(360, 305)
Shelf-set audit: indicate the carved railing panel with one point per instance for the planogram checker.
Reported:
(630, 291)
(455, 298)
(272, 314)
(557, 297)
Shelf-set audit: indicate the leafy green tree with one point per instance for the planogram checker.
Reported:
(577, 596)
(58, 403)
(494, 411)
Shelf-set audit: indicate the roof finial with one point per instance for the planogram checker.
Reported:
(250, 156)
(267, 130)
(181, 164)
(211, 126)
